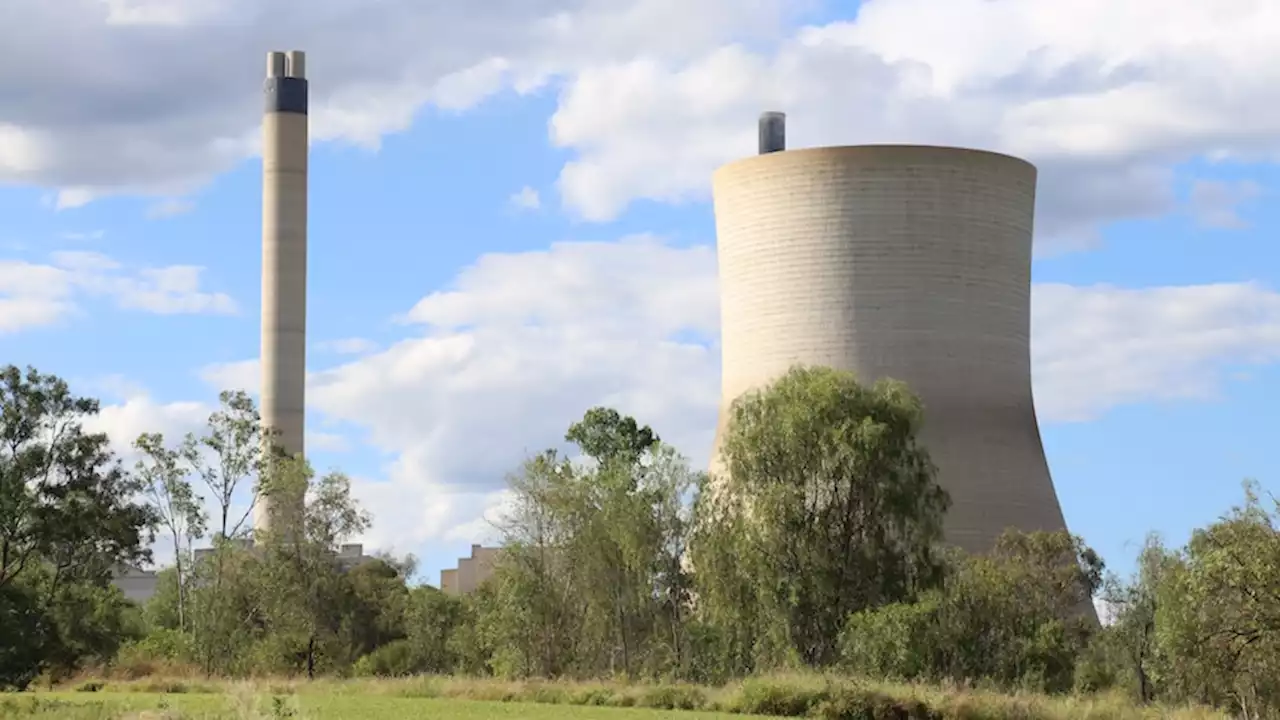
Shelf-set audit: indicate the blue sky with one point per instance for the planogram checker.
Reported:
(510, 222)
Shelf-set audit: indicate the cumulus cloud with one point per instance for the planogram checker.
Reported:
(1216, 204)
(1105, 102)
(171, 207)
(138, 413)
(1098, 347)
(522, 344)
(161, 94)
(37, 294)
(348, 346)
(526, 199)
(243, 375)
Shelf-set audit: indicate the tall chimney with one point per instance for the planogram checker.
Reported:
(773, 132)
(284, 260)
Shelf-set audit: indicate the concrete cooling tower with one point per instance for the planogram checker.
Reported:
(907, 262)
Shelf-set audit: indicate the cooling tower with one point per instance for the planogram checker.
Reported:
(284, 258)
(896, 261)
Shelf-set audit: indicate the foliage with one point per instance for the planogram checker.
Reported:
(1214, 613)
(179, 509)
(433, 621)
(68, 518)
(818, 547)
(24, 627)
(828, 506)
(1017, 617)
(304, 594)
(592, 576)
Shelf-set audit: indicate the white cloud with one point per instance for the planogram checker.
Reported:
(522, 344)
(1095, 348)
(73, 197)
(348, 346)
(138, 413)
(34, 295)
(1105, 100)
(327, 442)
(161, 94)
(170, 207)
(1216, 203)
(173, 290)
(526, 199)
(243, 375)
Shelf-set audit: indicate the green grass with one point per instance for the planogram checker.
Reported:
(252, 706)
(826, 697)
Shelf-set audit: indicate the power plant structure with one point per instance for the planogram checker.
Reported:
(284, 259)
(908, 262)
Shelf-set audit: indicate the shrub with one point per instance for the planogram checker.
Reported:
(395, 659)
(768, 697)
(890, 641)
(673, 697)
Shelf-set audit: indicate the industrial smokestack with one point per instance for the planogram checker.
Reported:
(284, 259)
(773, 132)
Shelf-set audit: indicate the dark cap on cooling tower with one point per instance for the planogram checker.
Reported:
(773, 132)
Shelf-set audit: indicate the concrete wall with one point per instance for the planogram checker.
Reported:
(137, 585)
(471, 571)
(904, 262)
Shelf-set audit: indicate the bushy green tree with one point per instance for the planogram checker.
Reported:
(829, 504)
(1217, 613)
(69, 518)
(305, 592)
(377, 604)
(592, 577)
(1129, 646)
(432, 623)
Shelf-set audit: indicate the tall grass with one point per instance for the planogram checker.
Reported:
(800, 695)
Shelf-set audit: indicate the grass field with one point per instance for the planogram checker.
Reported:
(445, 698)
(251, 706)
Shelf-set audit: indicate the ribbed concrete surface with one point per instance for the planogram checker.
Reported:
(284, 283)
(905, 262)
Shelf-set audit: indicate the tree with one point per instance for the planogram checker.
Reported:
(305, 586)
(234, 440)
(1135, 606)
(834, 502)
(179, 509)
(607, 436)
(527, 617)
(1217, 614)
(68, 519)
(627, 523)
(378, 602)
(1012, 616)
(598, 547)
(25, 629)
(432, 621)
(226, 457)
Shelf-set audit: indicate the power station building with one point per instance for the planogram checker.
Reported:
(908, 262)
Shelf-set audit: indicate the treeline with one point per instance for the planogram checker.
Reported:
(820, 549)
